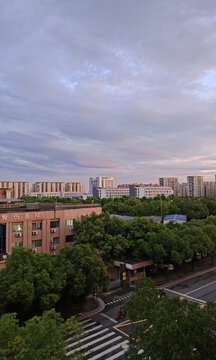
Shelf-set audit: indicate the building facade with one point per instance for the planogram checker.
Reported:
(210, 188)
(183, 189)
(170, 182)
(195, 186)
(40, 227)
(100, 182)
(112, 193)
(74, 187)
(149, 191)
(18, 188)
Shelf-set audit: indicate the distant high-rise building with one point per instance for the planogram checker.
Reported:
(100, 182)
(210, 189)
(92, 185)
(195, 186)
(48, 186)
(75, 187)
(170, 182)
(183, 189)
(18, 188)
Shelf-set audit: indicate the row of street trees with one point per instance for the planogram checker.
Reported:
(168, 328)
(144, 238)
(32, 283)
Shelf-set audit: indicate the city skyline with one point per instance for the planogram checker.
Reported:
(113, 88)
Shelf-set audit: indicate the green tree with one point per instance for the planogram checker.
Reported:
(84, 270)
(42, 337)
(170, 329)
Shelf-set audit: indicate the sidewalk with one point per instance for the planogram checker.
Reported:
(87, 314)
(182, 272)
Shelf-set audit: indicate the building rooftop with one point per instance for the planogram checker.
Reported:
(175, 217)
(124, 217)
(21, 207)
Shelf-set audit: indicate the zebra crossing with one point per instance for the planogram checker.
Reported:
(97, 343)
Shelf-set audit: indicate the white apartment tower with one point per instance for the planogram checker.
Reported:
(100, 182)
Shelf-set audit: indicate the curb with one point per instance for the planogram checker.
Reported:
(117, 300)
(93, 312)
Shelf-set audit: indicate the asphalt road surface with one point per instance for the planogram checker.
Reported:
(102, 339)
(201, 288)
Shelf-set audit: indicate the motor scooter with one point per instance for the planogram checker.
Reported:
(120, 315)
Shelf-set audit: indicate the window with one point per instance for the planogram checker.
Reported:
(69, 238)
(54, 240)
(17, 227)
(54, 224)
(36, 243)
(37, 226)
(69, 222)
(16, 245)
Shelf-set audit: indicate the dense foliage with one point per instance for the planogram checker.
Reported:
(171, 329)
(144, 238)
(42, 337)
(194, 208)
(32, 283)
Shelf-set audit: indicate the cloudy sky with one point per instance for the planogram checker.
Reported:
(107, 87)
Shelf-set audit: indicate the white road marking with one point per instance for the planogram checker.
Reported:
(201, 287)
(185, 296)
(85, 321)
(102, 345)
(86, 338)
(120, 353)
(108, 350)
(108, 317)
(90, 324)
(90, 343)
(86, 332)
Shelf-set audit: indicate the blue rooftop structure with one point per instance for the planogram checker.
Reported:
(176, 219)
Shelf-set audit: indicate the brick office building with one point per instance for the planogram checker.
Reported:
(40, 227)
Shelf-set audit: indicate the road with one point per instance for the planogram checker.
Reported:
(201, 288)
(102, 339)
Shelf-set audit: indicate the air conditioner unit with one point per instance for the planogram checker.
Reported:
(53, 247)
(34, 232)
(18, 234)
(71, 228)
(34, 250)
(53, 230)
(54, 253)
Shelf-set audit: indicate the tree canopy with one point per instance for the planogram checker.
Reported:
(171, 329)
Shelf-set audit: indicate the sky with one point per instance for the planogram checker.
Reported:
(107, 88)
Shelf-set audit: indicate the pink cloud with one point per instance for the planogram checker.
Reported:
(99, 164)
